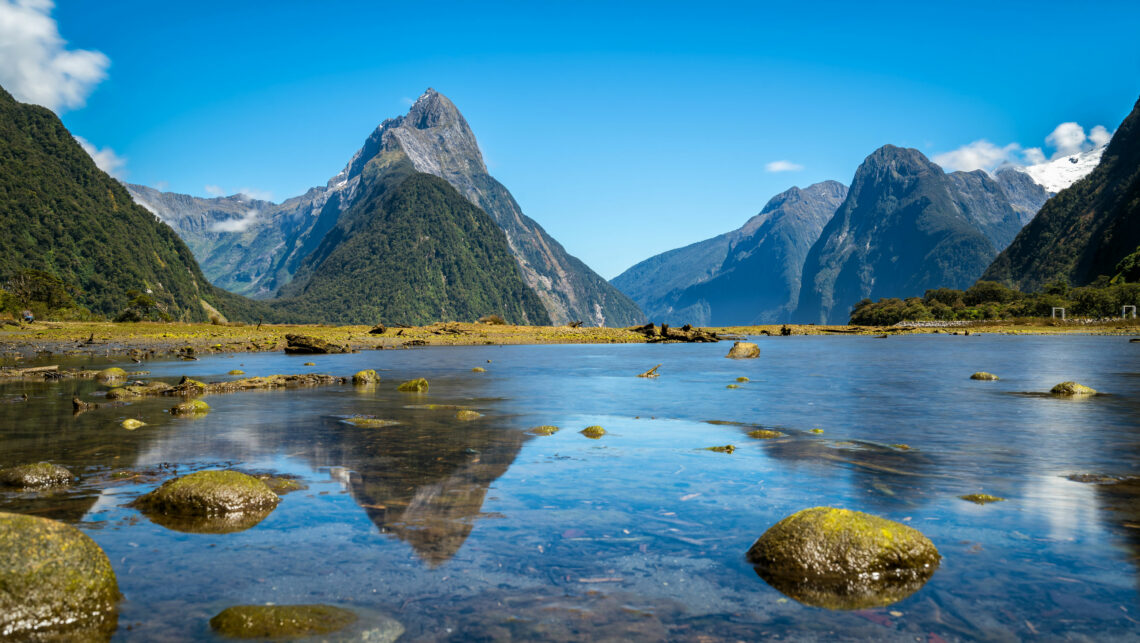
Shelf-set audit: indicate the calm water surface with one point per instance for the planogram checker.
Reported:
(478, 531)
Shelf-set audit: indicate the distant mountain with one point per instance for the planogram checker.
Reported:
(1085, 230)
(435, 138)
(1024, 194)
(905, 226)
(758, 277)
(62, 215)
(412, 250)
(1058, 174)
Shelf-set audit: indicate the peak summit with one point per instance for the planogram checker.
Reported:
(432, 109)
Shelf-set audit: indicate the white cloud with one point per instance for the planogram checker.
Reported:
(783, 166)
(241, 224)
(214, 190)
(35, 64)
(1065, 139)
(1100, 136)
(105, 158)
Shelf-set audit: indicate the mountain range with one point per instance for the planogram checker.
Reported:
(257, 248)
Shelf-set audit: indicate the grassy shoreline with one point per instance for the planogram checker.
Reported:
(156, 339)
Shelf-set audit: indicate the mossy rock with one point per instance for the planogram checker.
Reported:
(733, 386)
(743, 379)
(131, 424)
(466, 415)
(366, 377)
(593, 432)
(214, 502)
(841, 559)
(765, 434)
(280, 621)
(1072, 389)
(190, 408)
(743, 350)
(982, 375)
(236, 371)
(282, 485)
(55, 582)
(112, 374)
(728, 448)
(367, 422)
(478, 369)
(981, 498)
(309, 364)
(137, 390)
(35, 476)
(816, 431)
(418, 385)
(545, 429)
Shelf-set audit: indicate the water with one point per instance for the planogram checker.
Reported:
(479, 531)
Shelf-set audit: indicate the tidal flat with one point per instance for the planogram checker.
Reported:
(421, 519)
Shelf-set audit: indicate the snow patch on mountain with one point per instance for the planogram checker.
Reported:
(1060, 173)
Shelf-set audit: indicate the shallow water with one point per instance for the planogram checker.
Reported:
(477, 530)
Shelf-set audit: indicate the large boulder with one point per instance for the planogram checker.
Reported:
(369, 376)
(280, 621)
(306, 345)
(743, 350)
(35, 476)
(113, 374)
(418, 385)
(840, 559)
(1072, 389)
(209, 502)
(55, 582)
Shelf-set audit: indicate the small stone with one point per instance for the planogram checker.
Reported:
(816, 431)
(478, 369)
(728, 448)
(981, 498)
(733, 386)
(369, 376)
(309, 364)
(1072, 389)
(743, 350)
(191, 408)
(467, 415)
(418, 385)
(743, 379)
(982, 375)
(236, 371)
(131, 424)
(545, 429)
(593, 432)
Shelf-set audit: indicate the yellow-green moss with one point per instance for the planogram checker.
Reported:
(111, 374)
(981, 498)
(728, 448)
(478, 369)
(35, 476)
(369, 376)
(368, 422)
(280, 621)
(816, 431)
(545, 429)
(743, 379)
(467, 415)
(733, 386)
(982, 375)
(191, 407)
(1072, 389)
(131, 424)
(418, 385)
(237, 371)
(593, 432)
(765, 434)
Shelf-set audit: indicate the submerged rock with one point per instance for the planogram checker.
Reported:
(733, 386)
(366, 377)
(743, 379)
(728, 448)
(478, 369)
(55, 582)
(982, 375)
(190, 408)
(981, 498)
(280, 621)
(213, 502)
(111, 374)
(131, 424)
(545, 429)
(743, 350)
(368, 422)
(840, 559)
(467, 415)
(593, 432)
(418, 385)
(236, 371)
(35, 476)
(138, 390)
(765, 434)
(1072, 389)
(307, 345)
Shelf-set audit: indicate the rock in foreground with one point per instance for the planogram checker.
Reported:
(1072, 389)
(418, 385)
(280, 621)
(209, 502)
(743, 350)
(35, 476)
(984, 376)
(55, 582)
(840, 559)
(366, 377)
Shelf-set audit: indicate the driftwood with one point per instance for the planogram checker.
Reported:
(686, 334)
(306, 345)
(651, 372)
(25, 372)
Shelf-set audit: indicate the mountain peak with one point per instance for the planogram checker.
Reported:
(432, 109)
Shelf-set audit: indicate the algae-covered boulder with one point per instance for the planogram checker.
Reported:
(765, 434)
(366, 377)
(236, 371)
(55, 582)
(369, 422)
(840, 559)
(35, 476)
(138, 390)
(466, 415)
(545, 429)
(190, 408)
(981, 498)
(728, 448)
(112, 374)
(1072, 389)
(478, 369)
(593, 432)
(209, 502)
(982, 375)
(131, 424)
(307, 345)
(743, 350)
(280, 621)
(418, 385)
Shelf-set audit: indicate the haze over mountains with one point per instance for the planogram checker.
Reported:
(256, 248)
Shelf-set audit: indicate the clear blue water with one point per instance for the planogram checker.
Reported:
(480, 531)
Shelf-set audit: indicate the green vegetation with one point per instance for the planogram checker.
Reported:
(992, 300)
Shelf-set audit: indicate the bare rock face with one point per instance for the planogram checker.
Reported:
(744, 350)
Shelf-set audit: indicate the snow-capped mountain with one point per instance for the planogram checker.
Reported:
(1058, 174)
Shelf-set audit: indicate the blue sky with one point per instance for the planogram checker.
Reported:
(625, 129)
